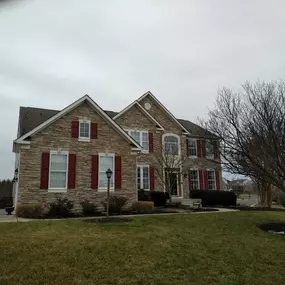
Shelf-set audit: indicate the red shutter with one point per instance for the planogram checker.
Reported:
(201, 179)
(94, 172)
(93, 130)
(74, 129)
(189, 180)
(118, 172)
(218, 186)
(199, 148)
(71, 171)
(206, 179)
(45, 170)
(151, 178)
(150, 142)
(203, 143)
(187, 147)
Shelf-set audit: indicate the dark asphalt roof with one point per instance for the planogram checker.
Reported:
(30, 118)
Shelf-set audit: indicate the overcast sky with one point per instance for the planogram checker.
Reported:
(55, 51)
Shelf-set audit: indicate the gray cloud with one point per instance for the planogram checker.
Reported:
(54, 51)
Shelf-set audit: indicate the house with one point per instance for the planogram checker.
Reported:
(67, 152)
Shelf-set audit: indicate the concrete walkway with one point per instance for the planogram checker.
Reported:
(4, 218)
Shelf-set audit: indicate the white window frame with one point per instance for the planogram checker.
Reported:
(141, 136)
(104, 188)
(64, 189)
(84, 139)
(172, 135)
(141, 166)
(199, 185)
(215, 182)
(191, 155)
(212, 155)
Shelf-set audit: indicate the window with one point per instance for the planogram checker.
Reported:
(209, 150)
(84, 129)
(141, 137)
(171, 145)
(194, 179)
(211, 180)
(143, 177)
(192, 147)
(105, 162)
(58, 170)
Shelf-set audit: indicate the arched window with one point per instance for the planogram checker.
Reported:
(171, 145)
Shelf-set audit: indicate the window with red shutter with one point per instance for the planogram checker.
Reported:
(93, 130)
(94, 171)
(151, 178)
(150, 142)
(71, 171)
(45, 170)
(75, 129)
(118, 172)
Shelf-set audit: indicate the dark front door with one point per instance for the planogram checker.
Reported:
(173, 183)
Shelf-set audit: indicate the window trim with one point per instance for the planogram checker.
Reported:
(63, 189)
(212, 155)
(84, 139)
(172, 135)
(196, 145)
(104, 189)
(198, 175)
(141, 166)
(215, 182)
(141, 137)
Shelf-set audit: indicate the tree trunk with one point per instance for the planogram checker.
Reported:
(269, 195)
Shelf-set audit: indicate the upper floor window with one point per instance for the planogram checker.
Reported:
(141, 137)
(84, 129)
(192, 147)
(171, 145)
(211, 180)
(209, 149)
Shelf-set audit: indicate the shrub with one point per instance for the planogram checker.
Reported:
(212, 198)
(116, 203)
(88, 208)
(61, 208)
(159, 198)
(143, 207)
(30, 211)
(144, 195)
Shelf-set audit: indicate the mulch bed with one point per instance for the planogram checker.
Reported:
(273, 227)
(108, 220)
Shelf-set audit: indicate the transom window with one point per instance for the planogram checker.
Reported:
(192, 147)
(143, 177)
(171, 145)
(209, 149)
(194, 179)
(141, 137)
(105, 162)
(84, 129)
(58, 170)
(211, 180)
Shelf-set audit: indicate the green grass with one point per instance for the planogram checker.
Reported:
(215, 248)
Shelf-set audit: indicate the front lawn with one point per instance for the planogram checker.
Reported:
(215, 248)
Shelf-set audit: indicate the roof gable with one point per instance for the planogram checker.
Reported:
(47, 117)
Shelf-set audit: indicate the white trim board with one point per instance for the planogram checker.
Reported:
(70, 108)
(164, 108)
(143, 110)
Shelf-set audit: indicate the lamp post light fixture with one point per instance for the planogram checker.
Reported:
(109, 175)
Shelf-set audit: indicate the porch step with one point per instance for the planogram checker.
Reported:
(190, 202)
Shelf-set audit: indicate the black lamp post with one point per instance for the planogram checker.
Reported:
(109, 175)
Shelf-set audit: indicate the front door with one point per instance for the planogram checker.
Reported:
(173, 183)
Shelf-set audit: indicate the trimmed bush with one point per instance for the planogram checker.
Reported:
(143, 207)
(61, 208)
(116, 203)
(159, 198)
(88, 208)
(29, 211)
(212, 198)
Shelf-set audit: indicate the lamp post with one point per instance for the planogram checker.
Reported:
(109, 175)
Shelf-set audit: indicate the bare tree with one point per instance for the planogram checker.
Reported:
(251, 128)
